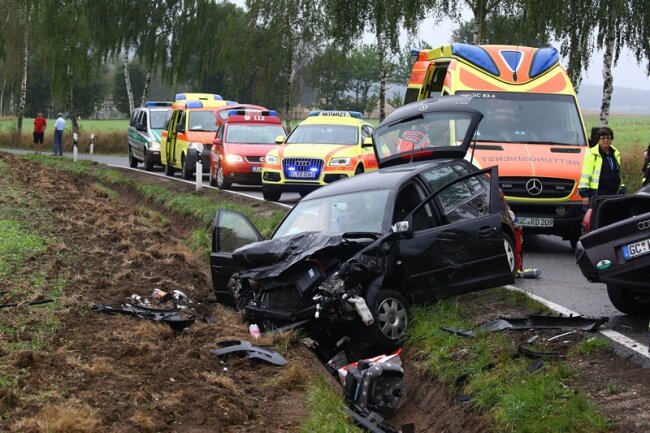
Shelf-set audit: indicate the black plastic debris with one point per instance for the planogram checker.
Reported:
(535, 322)
(177, 318)
(531, 353)
(16, 304)
(245, 348)
(374, 384)
(369, 421)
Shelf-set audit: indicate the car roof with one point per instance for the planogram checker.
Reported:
(385, 178)
(333, 120)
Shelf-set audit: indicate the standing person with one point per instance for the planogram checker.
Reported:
(646, 167)
(601, 170)
(39, 131)
(59, 126)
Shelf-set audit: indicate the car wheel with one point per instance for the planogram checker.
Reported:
(391, 313)
(574, 241)
(271, 195)
(628, 301)
(169, 170)
(511, 254)
(186, 171)
(221, 180)
(359, 170)
(148, 164)
(303, 193)
(133, 163)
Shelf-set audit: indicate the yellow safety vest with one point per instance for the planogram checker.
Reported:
(591, 168)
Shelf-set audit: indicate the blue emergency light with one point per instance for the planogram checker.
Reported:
(415, 52)
(543, 59)
(194, 104)
(252, 112)
(157, 104)
(476, 55)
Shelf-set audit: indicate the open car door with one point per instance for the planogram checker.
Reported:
(231, 230)
(457, 243)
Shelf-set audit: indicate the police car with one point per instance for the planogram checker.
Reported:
(242, 140)
(145, 129)
(323, 148)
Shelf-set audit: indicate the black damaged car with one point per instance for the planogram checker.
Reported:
(616, 251)
(353, 256)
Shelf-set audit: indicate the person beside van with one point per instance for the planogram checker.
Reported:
(646, 167)
(601, 170)
(39, 131)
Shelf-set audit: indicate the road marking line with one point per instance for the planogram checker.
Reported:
(204, 186)
(615, 336)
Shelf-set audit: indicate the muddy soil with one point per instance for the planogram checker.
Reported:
(113, 373)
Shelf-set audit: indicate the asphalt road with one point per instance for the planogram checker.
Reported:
(561, 281)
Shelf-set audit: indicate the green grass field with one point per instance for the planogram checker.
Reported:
(91, 126)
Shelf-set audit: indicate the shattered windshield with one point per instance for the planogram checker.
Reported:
(528, 118)
(361, 211)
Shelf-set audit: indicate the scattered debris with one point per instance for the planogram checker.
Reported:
(176, 317)
(528, 352)
(245, 348)
(16, 304)
(534, 322)
(370, 421)
(531, 273)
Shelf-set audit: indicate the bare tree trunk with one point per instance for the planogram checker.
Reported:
(381, 55)
(2, 96)
(127, 80)
(145, 91)
(608, 79)
(290, 77)
(72, 109)
(23, 81)
(12, 104)
(476, 32)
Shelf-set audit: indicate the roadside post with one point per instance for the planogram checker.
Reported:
(92, 145)
(74, 147)
(199, 172)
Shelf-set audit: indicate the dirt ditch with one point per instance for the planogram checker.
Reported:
(110, 373)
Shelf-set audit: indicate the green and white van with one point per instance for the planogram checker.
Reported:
(145, 128)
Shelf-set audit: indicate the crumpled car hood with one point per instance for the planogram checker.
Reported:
(269, 259)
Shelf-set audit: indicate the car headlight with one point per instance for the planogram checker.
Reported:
(271, 159)
(195, 146)
(154, 145)
(234, 158)
(340, 161)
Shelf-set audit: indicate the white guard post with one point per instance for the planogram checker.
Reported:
(199, 173)
(92, 145)
(74, 146)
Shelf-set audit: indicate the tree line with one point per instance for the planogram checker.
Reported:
(278, 53)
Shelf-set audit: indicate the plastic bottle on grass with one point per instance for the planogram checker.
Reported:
(254, 330)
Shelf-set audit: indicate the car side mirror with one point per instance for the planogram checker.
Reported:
(403, 227)
(367, 142)
(216, 141)
(280, 139)
(180, 128)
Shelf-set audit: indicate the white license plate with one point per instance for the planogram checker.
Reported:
(636, 249)
(535, 222)
(256, 169)
(302, 174)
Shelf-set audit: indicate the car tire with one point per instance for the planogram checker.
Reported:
(511, 252)
(359, 170)
(169, 170)
(391, 312)
(133, 163)
(303, 193)
(627, 301)
(186, 171)
(148, 164)
(221, 180)
(271, 195)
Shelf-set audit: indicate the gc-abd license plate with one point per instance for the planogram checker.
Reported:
(636, 249)
(535, 222)
(255, 169)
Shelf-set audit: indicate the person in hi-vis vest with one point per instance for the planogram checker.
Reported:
(601, 169)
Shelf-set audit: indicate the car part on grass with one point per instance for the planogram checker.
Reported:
(374, 384)
(534, 321)
(531, 273)
(16, 304)
(246, 348)
(176, 317)
(369, 421)
(529, 352)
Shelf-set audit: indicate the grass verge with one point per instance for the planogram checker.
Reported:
(326, 410)
(500, 383)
